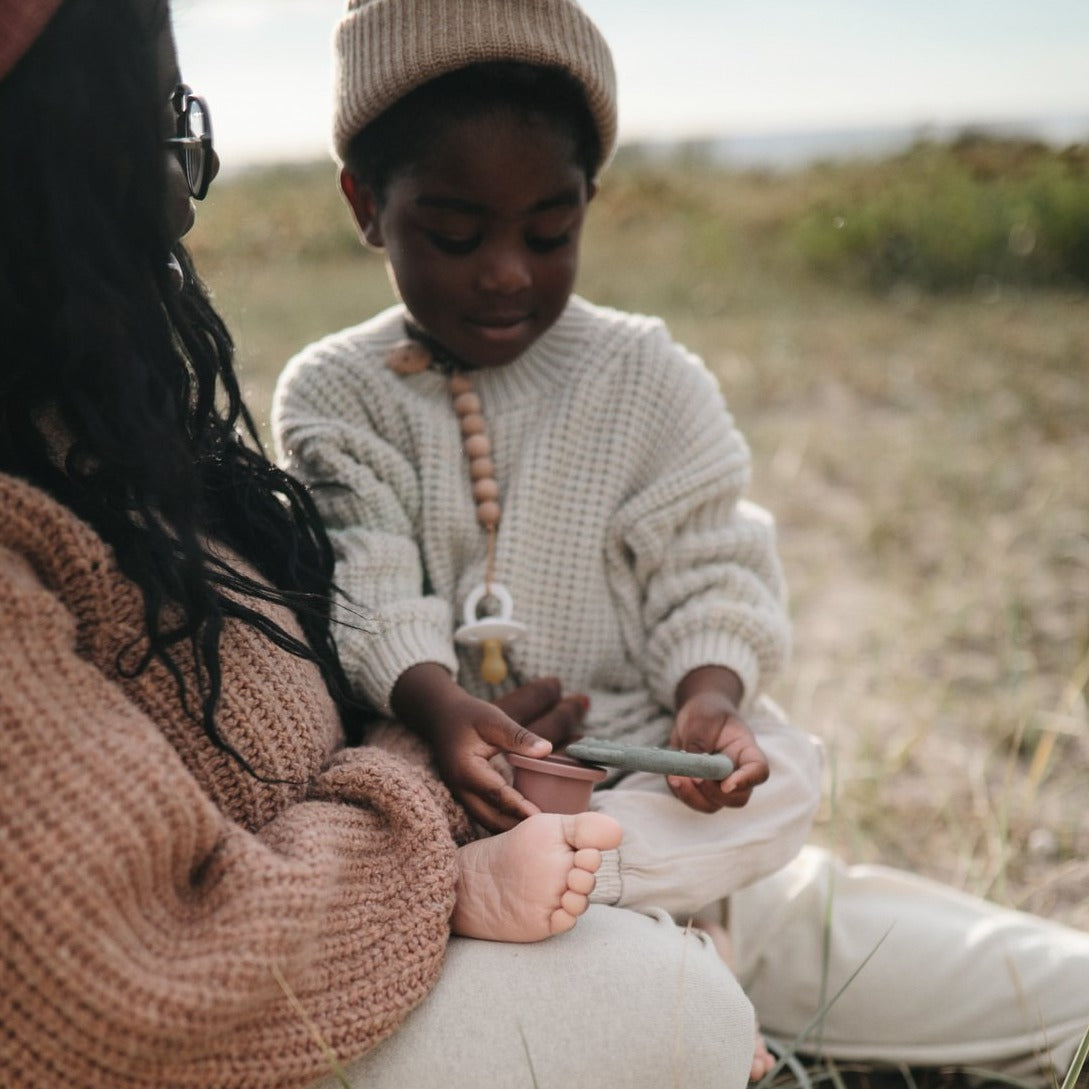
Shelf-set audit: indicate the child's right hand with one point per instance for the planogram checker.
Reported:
(465, 733)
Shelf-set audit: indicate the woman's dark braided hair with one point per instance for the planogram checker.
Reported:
(94, 333)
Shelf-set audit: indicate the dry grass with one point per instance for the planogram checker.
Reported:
(926, 458)
(923, 459)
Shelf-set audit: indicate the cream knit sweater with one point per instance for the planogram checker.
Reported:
(625, 541)
(151, 891)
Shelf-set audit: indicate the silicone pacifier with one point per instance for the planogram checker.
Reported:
(491, 633)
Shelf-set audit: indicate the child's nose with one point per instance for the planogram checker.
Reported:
(504, 270)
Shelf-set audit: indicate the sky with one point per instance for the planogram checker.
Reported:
(691, 68)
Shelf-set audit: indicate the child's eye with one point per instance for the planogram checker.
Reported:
(452, 244)
(547, 243)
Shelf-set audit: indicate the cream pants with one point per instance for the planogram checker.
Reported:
(675, 858)
(624, 1000)
(952, 980)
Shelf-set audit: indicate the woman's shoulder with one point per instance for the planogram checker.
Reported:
(54, 567)
(42, 530)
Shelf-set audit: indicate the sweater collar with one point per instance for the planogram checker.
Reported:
(547, 366)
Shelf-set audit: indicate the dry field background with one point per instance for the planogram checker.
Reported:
(926, 456)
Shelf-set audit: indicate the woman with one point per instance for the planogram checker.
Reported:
(200, 884)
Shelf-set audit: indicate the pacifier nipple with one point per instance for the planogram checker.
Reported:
(493, 666)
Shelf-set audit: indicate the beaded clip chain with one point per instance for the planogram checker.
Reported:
(492, 632)
(478, 449)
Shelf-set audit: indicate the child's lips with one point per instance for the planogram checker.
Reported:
(500, 327)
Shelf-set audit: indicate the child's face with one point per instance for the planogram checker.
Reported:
(482, 235)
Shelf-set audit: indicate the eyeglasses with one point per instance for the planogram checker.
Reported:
(193, 141)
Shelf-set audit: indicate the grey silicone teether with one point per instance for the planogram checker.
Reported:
(697, 765)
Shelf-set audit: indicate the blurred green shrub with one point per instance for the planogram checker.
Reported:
(945, 217)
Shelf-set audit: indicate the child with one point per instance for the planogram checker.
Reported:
(629, 555)
(496, 435)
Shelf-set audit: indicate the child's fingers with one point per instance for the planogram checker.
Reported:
(733, 797)
(696, 732)
(736, 789)
(506, 735)
(541, 707)
(531, 701)
(750, 769)
(489, 799)
(694, 795)
(708, 795)
(562, 723)
(494, 820)
(745, 777)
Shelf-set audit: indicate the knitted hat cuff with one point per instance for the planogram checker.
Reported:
(21, 22)
(386, 48)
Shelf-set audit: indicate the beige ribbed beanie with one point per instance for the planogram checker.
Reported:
(386, 48)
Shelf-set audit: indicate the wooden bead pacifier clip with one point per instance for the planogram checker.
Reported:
(487, 617)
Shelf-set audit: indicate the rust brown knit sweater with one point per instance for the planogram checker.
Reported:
(150, 889)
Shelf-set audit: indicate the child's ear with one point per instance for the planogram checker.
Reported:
(364, 206)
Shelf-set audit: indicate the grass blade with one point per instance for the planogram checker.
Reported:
(818, 1019)
(330, 1055)
(1078, 1062)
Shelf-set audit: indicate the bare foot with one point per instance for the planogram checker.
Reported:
(762, 1059)
(533, 881)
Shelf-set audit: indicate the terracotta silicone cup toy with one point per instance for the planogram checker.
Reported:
(557, 784)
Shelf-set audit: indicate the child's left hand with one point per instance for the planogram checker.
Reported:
(707, 720)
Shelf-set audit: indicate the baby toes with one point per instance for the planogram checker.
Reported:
(592, 830)
(574, 903)
(581, 881)
(562, 921)
(588, 859)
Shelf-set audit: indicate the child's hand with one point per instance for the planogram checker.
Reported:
(707, 721)
(542, 706)
(465, 733)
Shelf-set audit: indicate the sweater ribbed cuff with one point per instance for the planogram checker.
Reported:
(709, 648)
(380, 661)
(607, 884)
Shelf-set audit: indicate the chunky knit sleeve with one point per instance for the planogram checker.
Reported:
(148, 940)
(340, 429)
(705, 557)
